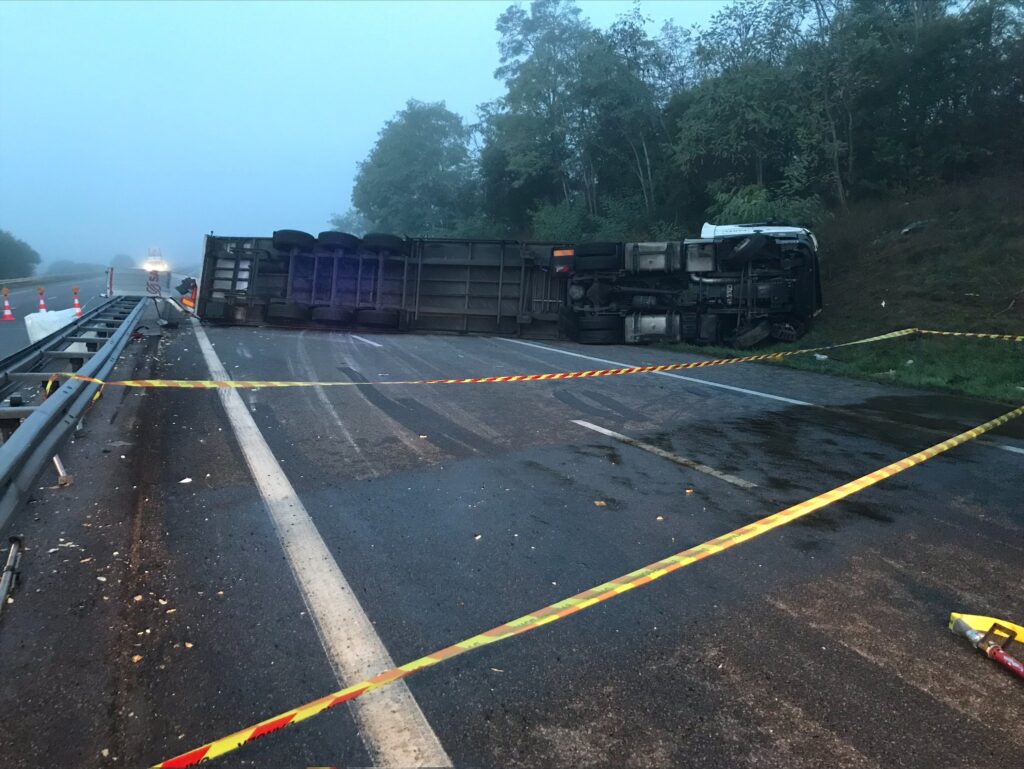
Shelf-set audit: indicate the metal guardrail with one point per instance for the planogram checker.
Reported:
(41, 280)
(35, 442)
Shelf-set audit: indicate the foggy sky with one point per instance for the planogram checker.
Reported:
(125, 126)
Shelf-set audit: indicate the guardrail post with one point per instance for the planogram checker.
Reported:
(64, 478)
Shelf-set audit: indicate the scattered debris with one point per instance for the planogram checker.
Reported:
(600, 503)
(660, 518)
(101, 579)
(477, 536)
(189, 644)
(136, 658)
(819, 356)
(185, 480)
(137, 598)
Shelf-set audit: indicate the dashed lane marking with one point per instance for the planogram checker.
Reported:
(367, 341)
(683, 461)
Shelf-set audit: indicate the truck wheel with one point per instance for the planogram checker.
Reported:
(287, 312)
(751, 335)
(599, 322)
(338, 241)
(286, 240)
(601, 337)
(601, 329)
(341, 316)
(381, 241)
(379, 318)
(788, 331)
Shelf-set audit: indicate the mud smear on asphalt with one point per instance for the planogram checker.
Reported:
(600, 451)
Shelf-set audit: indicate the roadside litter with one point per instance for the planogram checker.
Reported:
(991, 637)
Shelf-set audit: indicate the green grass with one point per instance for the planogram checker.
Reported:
(963, 271)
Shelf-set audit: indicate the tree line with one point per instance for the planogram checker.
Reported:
(777, 109)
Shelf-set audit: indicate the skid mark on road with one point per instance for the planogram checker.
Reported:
(391, 723)
(368, 470)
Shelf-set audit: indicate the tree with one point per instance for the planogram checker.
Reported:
(17, 258)
(417, 178)
(352, 222)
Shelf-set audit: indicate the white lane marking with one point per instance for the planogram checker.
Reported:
(363, 339)
(701, 468)
(705, 382)
(393, 727)
(743, 390)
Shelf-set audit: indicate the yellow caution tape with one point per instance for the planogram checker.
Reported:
(581, 601)
(984, 624)
(210, 384)
(1000, 337)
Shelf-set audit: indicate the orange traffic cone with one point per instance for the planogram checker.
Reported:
(8, 315)
(42, 300)
(77, 307)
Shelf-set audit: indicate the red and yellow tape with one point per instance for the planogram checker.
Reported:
(211, 384)
(580, 601)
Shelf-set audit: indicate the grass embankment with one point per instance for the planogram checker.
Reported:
(961, 269)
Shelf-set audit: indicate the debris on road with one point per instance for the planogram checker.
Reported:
(991, 642)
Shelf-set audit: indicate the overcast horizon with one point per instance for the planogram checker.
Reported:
(125, 126)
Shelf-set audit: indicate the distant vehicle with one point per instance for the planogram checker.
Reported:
(155, 262)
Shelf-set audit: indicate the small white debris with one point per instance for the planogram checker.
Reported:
(819, 356)
(105, 752)
(101, 579)
(185, 480)
(477, 536)
(909, 362)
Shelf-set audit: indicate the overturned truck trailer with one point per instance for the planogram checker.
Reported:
(739, 285)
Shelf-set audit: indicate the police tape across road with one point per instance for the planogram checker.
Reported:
(209, 384)
(580, 601)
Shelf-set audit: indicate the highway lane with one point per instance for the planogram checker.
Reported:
(450, 509)
(24, 299)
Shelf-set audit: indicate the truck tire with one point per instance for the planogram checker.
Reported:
(601, 337)
(751, 335)
(287, 312)
(341, 316)
(382, 241)
(378, 318)
(286, 240)
(338, 241)
(600, 329)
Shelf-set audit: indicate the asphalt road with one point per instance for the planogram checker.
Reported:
(451, 509)
(24, 299)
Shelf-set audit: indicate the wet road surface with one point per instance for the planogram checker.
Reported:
(451, 509)
(24, 299)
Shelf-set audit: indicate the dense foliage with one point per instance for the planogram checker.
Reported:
(17, 258)
(778, 109)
